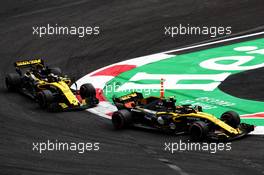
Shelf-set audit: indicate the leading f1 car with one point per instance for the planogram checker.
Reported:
(49, 87)
(163, 114)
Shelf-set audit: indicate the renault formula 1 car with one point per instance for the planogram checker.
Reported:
(163, 114)
(49, 87)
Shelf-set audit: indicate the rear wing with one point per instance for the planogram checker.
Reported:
(135, 96)
(26, 63)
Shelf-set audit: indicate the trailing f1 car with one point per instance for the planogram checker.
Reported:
(49, 87)
(163, 114)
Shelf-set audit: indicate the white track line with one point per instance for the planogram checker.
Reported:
(215, 42)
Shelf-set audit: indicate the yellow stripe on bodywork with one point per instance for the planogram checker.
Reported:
(209, 117)
(63, 86)
(66, 91)
(63, 105)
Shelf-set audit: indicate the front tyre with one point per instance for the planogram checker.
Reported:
(122, 119)
(87, 91)
(44, 98)
(231, 118)
(198, 130)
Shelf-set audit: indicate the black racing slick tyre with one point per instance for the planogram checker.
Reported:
(198, 130)
(55, 71)
(231, 118)
(122, 119)
(12, 81)
(54, 107)
(87, 91)
(45, 98)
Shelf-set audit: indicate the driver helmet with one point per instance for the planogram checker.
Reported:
(171, 103)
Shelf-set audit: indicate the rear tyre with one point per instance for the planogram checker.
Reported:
(122, 119)
(198, 130)
(87, 91)
(231, 118)
(12, 81)
(45, 98)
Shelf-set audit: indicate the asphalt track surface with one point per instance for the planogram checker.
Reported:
(128, 29)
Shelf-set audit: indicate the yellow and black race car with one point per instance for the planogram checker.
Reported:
(49, 87)
(160, 113)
